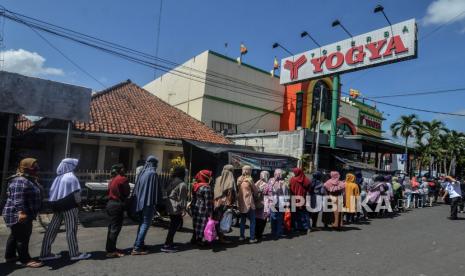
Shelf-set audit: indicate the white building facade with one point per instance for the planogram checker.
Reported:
(223, 94)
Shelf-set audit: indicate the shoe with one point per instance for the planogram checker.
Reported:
(452, 218)
(50, 257)
(241, 238)
(168, 249)
(253, 241)
(138, 252)
(11, 260)
(82, 256)
(115, 254)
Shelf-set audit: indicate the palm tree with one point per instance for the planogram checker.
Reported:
(455, 144)
(406, 127)
(433, 131)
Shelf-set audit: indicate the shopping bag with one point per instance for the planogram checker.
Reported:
(209, 233)
(226, 221)
(288, 220)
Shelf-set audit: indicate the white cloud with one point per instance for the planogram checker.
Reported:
(28, 63)
(443, 11)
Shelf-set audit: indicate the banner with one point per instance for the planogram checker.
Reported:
(261, 162)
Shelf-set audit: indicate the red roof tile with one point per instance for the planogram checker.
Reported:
(131, 110)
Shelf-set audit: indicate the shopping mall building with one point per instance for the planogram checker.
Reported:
(253, 109)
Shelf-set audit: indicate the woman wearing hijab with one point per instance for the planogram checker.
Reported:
(224, 195)
(376, 192)
(148, 193)
(352, 196)
(275, 191)
(335, 188)
(202, 204)
(118, 192)
(299, 186)
(64, 198)
(398, 194)
(316, 197)
(176, 205)
(247, 193)
(24, 199)
(260, 218)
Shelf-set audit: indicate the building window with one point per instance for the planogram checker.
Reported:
(169, 155)
(87, 155)
(117, 155)
(325, 105)
(221, 126)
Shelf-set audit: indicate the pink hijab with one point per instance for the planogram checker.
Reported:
(334, 184)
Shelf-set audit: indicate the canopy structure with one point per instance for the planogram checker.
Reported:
(212, 156)
(366, 169)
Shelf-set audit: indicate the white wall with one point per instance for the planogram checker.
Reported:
(187, 85)
(239, 84)
(290, 143)
(229, 113)
(349, 111)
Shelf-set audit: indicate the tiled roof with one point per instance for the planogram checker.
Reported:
(131, 110)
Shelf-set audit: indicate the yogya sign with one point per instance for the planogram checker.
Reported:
(386, 45)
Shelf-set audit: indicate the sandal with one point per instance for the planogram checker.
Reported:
(114, 254)
(34, 264)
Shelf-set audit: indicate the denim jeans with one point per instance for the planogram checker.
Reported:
(277, 220)
(146, 221)
(251, 216)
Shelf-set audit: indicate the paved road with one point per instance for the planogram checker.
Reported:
(420, 242)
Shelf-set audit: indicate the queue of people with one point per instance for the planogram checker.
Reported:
(212, 200)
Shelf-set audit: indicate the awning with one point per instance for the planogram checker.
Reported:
(341, 142)
(204, 155)
(358, 165)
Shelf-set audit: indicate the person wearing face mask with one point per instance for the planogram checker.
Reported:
(24, 199)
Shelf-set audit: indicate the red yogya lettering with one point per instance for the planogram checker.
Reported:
(317, 63)
(293, 67)
(396, 45)
(359, 56)
(375, 48)
(339, 60)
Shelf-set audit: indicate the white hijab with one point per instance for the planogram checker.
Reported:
(66, 182)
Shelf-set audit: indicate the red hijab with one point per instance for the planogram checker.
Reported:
(202, 179)
(299, 183)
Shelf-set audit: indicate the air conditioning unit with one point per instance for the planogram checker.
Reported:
(261, 130)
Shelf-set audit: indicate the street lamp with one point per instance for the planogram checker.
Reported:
(315, 143)
(276, 45)
(380, 9)
(305, 33)
(338, 23)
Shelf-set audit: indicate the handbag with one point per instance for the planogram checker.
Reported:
(226, 221)
(209, 233)
(288, 220)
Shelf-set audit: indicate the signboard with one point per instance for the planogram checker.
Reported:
(369, 121)
(260, 162)
(386, 45)
(32, 96)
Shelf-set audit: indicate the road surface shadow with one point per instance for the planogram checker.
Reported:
(8, 268)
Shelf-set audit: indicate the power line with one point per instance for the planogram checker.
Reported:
(180, 73)
(65, 56)
(433, 92)
(58, 29)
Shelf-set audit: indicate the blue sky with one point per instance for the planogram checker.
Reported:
(190, 27)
